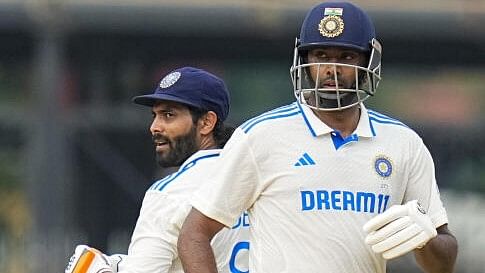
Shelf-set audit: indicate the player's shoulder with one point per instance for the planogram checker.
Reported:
(382, 123)
(187, 174)
(278, 117)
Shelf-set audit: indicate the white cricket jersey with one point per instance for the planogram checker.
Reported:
(153, 246)
(309, 192)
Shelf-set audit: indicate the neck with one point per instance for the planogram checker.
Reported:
(344, 121)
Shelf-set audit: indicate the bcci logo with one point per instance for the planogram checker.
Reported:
(383, 166)
(331, 26)
(170, 79)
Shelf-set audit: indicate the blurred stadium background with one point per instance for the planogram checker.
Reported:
(75, 153)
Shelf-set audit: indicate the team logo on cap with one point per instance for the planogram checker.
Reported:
(331, 26)
(170, 79)
(383, 166)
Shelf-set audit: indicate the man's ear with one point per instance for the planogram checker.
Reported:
(207, 122)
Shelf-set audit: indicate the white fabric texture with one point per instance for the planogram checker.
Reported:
(153, 246)
(308, 191)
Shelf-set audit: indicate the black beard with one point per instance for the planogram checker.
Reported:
(181, 148)
(348, 99)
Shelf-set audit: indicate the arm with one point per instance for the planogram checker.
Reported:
(194, 243)
(231, 187)
(153, 243)
(439, 254)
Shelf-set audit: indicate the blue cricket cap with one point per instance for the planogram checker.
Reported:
(337, 24)
(191, 86)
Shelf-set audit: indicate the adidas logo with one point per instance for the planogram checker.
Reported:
(304, 160)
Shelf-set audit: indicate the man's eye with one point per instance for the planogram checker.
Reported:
(168, 115)
(321, 55)
(348, 57)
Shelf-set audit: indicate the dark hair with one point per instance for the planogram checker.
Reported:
(221, 132)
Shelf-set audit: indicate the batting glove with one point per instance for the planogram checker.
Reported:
(88, 260)
(399, 230)
(116, 262)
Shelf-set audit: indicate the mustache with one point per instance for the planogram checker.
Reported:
(331, 78)
(157, 137)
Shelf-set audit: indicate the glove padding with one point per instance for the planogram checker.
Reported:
(88, 260)
(116, 262)
(399, 230)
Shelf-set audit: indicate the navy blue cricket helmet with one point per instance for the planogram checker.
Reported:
(343, 25)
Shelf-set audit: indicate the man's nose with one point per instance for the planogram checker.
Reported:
(156, 126)
(329, 70)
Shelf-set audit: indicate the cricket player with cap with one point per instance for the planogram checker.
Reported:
(189, 106)
(329, 185)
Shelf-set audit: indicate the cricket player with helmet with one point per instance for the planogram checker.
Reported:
(329, 185)
(189, 106)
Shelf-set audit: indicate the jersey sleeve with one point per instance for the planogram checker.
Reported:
(422, 185)
(154, 240)
(232, 185)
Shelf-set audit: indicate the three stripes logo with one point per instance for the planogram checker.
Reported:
(304, 160)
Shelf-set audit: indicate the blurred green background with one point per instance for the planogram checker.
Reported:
(76, 155)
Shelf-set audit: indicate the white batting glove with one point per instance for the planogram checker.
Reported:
(116, 262)
(88, 260)
(399, 230)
